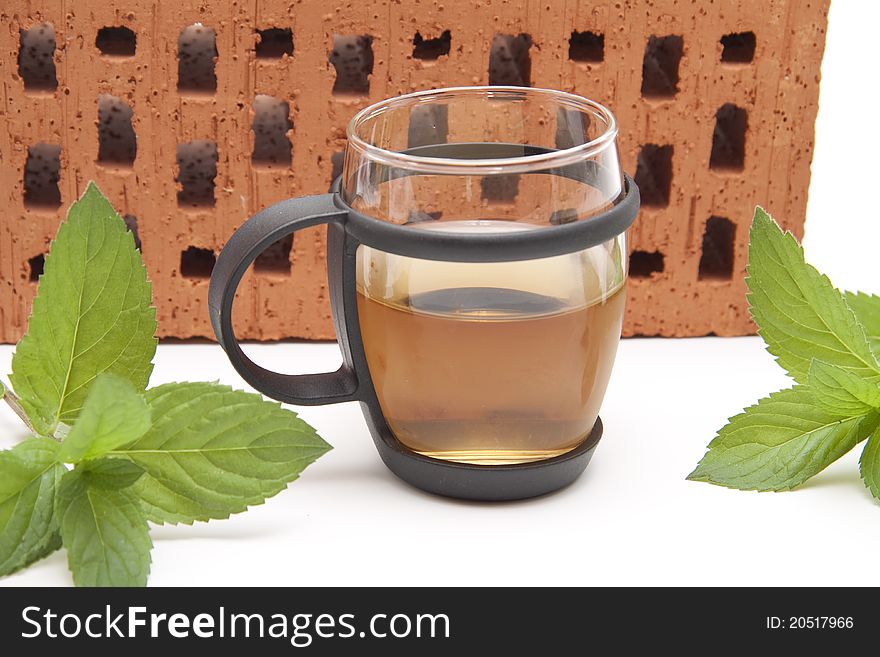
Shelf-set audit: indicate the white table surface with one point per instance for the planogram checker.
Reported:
(632, 518)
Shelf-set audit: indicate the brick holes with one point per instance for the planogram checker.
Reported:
(275, 259)
(197, 169)
(729, 139)
(431, 49)
(738, 48)
(116, 41)
(500, 189)
(654, 175)
(644, 264)
(572, 128)
(660, 66)
(716, 261)
(563, 216)
(428, 124)
(272, 147)
(36, 58)
(586, 47)
(35, 267)
(509, 61)
(196, 59)
(131, 223)
(42, 171)
(117, 143)
(420, 217)
(352, 57)
(197, 263)
(274, 43)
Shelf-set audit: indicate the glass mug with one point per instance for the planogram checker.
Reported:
(477, 266)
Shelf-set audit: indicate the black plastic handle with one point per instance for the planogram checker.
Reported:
(248, 242)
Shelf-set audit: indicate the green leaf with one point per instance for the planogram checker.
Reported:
(29, 476)
(113, 415)
(867, 310)
(113, 473)
(2, 390)
(781, 442)
(869, 465)
(840, 391)
(50, 546)
(92, 314)
(800, 315)
(213, 451)
(105, 533)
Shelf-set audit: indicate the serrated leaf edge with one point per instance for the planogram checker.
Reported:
(764, 221)
(695, 476)
(870, 460)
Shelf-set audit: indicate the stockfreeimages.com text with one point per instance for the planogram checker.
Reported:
(300, 629)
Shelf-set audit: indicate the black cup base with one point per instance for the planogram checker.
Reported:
(488, 483)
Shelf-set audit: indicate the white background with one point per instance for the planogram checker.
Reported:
(632, 519)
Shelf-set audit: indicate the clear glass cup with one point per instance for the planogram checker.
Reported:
(487, 363)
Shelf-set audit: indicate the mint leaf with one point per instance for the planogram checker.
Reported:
(867, 310)
(781, 442)
(92, 314)
(213, 451)
(105, 533)
(800, 315)
(112, 474)
(113, 415)
(29, 476)
(869, 464)
(840, 391)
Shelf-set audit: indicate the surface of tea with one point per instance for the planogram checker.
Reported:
(489, 374)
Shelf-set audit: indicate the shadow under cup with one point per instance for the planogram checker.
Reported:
(488, 363)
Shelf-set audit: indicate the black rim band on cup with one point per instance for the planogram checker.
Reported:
(347, 229)
(542, 242)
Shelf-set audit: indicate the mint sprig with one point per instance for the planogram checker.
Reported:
(213, 451)
(93, 313)
(29, 478)
(799, 313)
(113, 415)
(104, 531)
(839, 390)
(108, 455)
(781, 442)
(867, 310)
(828, 343)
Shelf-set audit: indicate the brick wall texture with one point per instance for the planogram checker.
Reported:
(191, 116)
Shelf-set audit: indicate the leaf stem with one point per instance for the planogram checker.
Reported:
(12, 399)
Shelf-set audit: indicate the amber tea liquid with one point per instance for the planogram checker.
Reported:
(495, 363)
